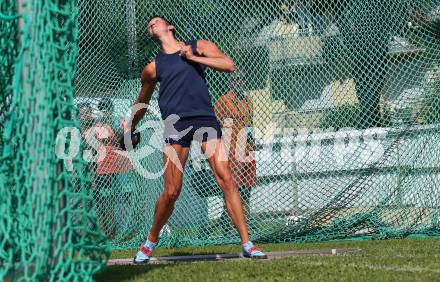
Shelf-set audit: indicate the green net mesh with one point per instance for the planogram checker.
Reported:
(9, 50)
(342, 112)
(342, 97)
(48, 229)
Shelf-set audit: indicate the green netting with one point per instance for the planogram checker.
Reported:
(343, 98)
(9, 52)
(48, 229)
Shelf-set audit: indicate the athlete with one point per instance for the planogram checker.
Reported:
(186, 108)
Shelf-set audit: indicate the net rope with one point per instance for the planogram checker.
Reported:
(48, 228)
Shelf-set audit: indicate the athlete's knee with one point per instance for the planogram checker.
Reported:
(172, 193)
(224, 177)
(225, 181)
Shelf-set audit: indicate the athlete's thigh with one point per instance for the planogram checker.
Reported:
(217, 156)
(175, 157)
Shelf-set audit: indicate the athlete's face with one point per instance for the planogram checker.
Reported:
(158, 27)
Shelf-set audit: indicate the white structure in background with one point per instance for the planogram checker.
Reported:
(411, 97)
(408, 98)
(322, 103)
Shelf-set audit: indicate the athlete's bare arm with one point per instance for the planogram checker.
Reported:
(211, 56)
(148, 80)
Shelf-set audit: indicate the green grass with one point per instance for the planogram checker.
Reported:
(392, 260)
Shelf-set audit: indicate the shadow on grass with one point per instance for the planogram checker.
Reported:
(185, 254)
(125, 272)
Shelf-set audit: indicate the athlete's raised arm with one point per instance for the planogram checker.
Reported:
(210, 56)
(148, 80)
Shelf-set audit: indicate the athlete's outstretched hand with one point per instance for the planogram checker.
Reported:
(132, 136)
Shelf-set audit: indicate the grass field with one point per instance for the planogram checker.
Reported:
(392, 260)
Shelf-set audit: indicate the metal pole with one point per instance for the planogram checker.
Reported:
(131, 38)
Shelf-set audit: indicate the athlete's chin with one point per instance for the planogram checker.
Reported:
(155, 36)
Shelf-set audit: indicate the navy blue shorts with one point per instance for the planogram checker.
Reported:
(187, 129)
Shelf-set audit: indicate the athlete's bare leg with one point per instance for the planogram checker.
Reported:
(173, 156)
(216, 154)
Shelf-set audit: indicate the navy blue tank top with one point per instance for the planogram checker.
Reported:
(183, 89)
